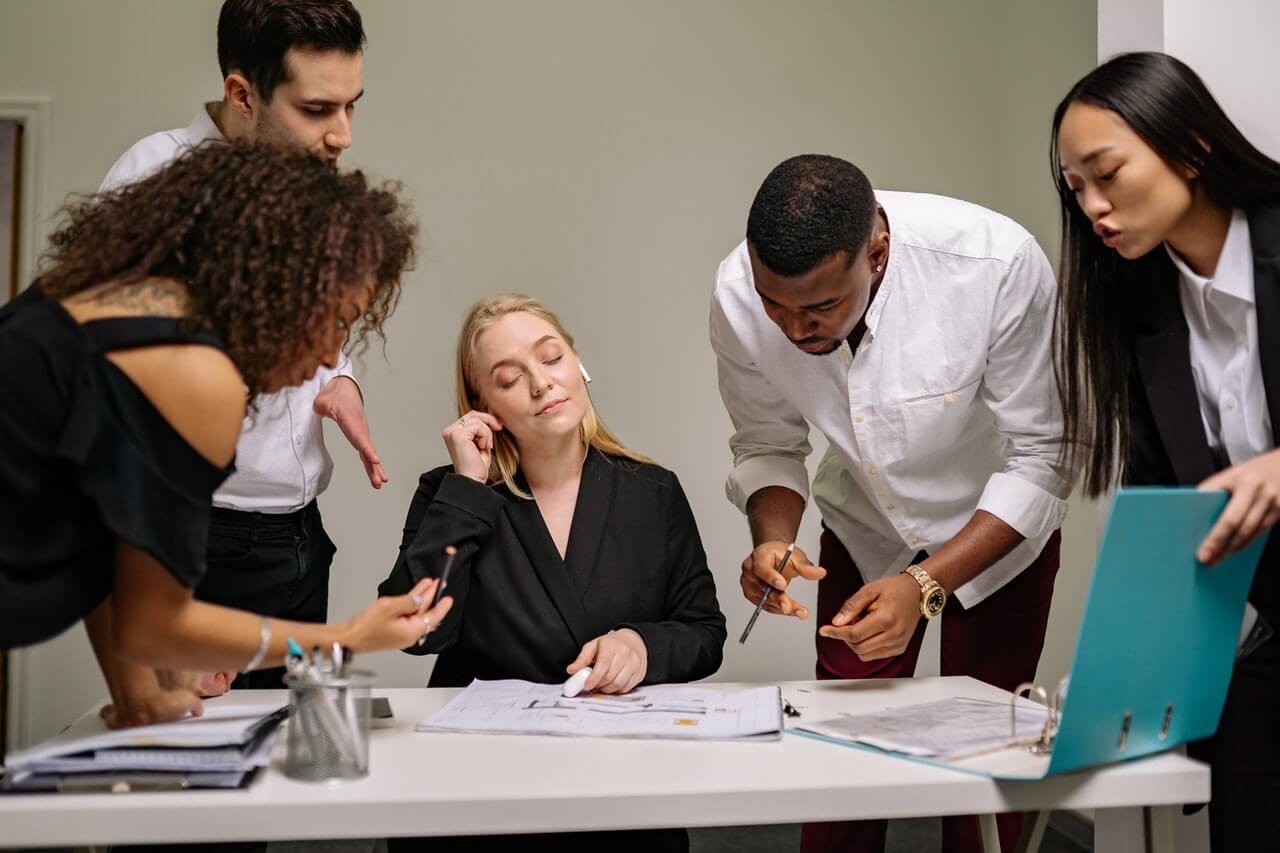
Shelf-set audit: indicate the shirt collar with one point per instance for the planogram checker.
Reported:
(1234, 274)
(202, 126)
(876, 307)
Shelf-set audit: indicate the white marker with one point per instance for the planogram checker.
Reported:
(573, 686)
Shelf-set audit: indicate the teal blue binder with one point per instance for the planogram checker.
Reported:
(1159, 633)
(1157, 641)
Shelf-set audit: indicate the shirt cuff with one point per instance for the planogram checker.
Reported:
(464, 493)
(756, 472)
(1022, 505)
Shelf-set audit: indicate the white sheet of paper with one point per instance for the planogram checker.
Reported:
(655, 711)
(946, 728)
(221, 725)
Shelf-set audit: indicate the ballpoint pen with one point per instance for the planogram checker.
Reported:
(449, 553)
(782, 565)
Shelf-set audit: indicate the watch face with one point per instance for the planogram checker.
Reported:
(935, 601)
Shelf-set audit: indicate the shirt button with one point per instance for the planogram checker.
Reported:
(298, 439)
(915, 540)
(859, 418)
(1231, 402)
(891, 507)
(949, 397)
(871, 469)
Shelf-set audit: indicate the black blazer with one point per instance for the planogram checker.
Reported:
(1167, 441)
(634, 559)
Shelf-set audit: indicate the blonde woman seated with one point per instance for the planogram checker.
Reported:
(572, 550)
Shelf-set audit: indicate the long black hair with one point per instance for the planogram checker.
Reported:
(1099, 293)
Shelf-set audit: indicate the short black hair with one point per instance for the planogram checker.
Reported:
(807, 209)
(255, 35)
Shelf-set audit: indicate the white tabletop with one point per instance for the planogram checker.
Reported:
(449, 784)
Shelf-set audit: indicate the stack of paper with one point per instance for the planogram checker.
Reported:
(945, 729)
(216, 750)
(658, 711)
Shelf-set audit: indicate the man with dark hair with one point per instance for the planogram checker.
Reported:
(292, 73)
(913, 331)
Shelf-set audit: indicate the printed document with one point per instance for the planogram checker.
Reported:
(655, 711)
(947, 728)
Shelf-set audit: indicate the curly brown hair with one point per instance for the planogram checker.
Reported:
(268, 242)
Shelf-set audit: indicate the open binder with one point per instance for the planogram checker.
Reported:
(1154, 654)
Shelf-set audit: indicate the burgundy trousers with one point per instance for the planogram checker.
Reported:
(998, 641)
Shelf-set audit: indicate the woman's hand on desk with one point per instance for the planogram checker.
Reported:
(469, 440)
(760, 572)
(397, 621)
(1253, 509)
(206, 685)
(141, 697)
(618, 661)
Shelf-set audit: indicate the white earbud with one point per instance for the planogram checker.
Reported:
(586, 376)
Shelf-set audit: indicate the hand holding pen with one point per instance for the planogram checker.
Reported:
(760, 573)
(397, 621)
(449, 554)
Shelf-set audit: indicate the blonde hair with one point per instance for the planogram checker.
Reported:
(506, 455)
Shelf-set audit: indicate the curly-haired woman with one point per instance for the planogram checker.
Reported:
(124, 375)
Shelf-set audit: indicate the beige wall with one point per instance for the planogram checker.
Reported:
(600, 155)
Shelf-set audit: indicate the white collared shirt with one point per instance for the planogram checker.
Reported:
(1222, 320)
(948, 406)
(281, 461)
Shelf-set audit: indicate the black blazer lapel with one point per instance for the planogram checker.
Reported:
(590, 514)
(1163, 353)
(532, 532)
(1264, 234)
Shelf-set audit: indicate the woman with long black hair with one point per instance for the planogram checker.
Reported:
(1168, 354)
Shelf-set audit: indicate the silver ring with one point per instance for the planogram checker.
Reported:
(426, 620)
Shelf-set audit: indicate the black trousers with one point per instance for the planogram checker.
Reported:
(1244, 757)
(272, 565)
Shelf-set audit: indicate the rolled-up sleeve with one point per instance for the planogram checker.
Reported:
(770, 441)
(1019, 388)
(325, 375)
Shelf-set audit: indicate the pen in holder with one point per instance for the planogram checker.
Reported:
(329, 723)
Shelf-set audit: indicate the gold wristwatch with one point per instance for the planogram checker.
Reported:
(932, 596)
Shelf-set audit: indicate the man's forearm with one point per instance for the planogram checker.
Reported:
(984, 540)
(774, 514)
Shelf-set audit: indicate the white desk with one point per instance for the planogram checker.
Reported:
(437, 784)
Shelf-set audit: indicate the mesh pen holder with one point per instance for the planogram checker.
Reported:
(328, 727)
